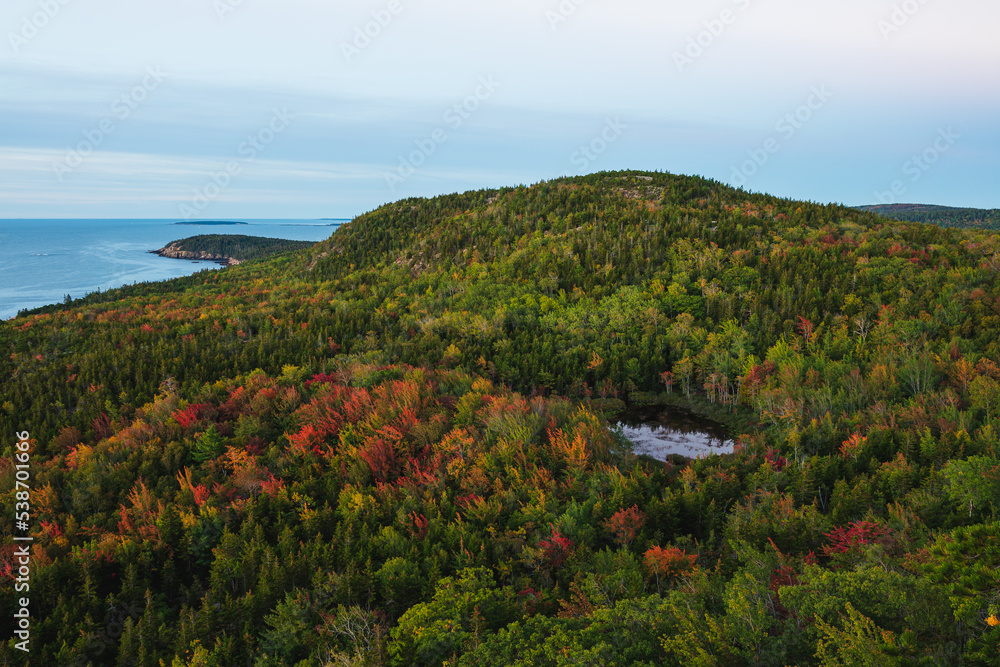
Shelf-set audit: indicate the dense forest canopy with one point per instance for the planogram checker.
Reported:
(944, 216)
(235, 246)
(389, 448)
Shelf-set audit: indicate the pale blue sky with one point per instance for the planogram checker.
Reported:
(267, 108)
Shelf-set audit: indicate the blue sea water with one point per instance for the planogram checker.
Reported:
(41, 261)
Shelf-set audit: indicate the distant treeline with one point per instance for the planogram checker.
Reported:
(943, 216)
(237, 246)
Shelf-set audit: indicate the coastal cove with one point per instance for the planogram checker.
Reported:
(44, 260)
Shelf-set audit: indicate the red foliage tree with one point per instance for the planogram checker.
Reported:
(307, 440)
(102, 426)
(420, 525)
(556, 549)
(380, 456)
(189, 415)
(625, 524)
(665, 564)
(321, 378)
(805, 328)
(775, 460)
(846, 538)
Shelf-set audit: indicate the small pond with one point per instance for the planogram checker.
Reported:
(659, 431)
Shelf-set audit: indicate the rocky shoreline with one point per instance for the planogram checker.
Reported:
(174, 252)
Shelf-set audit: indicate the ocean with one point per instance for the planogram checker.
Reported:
(41, 261)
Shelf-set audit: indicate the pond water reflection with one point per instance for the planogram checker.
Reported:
(660, 431)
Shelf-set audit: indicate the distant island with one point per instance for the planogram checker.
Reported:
(942, 216)
(228, 249)
(211, 222)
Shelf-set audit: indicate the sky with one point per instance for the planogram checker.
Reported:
(206, 109)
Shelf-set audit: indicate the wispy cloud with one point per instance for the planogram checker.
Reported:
(157, 184)
(32, 169)
(355, 117)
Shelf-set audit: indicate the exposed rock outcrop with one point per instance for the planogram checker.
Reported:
(174, 252)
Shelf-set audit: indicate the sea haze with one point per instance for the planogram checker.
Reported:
(41, 261)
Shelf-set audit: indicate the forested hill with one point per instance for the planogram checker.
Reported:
(389, 448)
(229, 247)
(945, 216)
